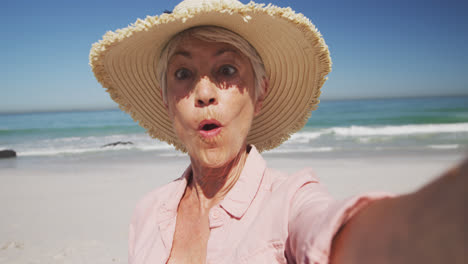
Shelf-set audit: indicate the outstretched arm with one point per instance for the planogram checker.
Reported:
(428, 226)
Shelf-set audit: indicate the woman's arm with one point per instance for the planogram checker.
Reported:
(428, 226)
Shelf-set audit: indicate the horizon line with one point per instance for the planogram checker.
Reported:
(95, 109)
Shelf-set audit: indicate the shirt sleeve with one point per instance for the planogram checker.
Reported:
(315, 218)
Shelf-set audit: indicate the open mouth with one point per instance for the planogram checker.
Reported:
(209, 128)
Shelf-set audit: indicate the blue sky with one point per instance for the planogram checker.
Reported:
(379, 48)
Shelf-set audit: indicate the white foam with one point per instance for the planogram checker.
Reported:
(174, 154)
(304, 137)
(303, 150)
(298, 143)
(400, 130)
(446, 146)
(68, 139)
(64, 151)
(77, 145)
(155, 147)
(56, 152)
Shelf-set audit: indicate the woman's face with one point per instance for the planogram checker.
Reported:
(210, 99)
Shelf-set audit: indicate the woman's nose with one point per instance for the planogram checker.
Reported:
(206, 93)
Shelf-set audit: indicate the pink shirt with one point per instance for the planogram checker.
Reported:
(267, 217)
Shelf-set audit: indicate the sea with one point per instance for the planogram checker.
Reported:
(434, 124)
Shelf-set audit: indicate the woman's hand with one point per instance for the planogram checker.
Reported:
(428, 226)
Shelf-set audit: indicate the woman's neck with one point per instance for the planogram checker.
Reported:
(209, 186)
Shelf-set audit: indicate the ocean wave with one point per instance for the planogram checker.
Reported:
(399, 130)
(90, 144)
(303, 150)
(73, 130)
(155, 147)
(444, 146)
(305, 137)
(307, 140)
(67, 151)
(58, 152)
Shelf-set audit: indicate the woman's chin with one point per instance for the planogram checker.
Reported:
(216, 154)
(213, 158)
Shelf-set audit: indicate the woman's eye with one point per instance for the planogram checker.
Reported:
(182, 74)
(227, 70)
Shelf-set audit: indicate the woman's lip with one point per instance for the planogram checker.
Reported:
(212, 132)
(208, 122)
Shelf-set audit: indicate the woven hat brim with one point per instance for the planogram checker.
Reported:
(296, 60)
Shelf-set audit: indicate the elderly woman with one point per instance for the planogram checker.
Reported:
(224, 81)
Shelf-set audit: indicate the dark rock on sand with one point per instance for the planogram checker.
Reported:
(7, 153)
(117, 143)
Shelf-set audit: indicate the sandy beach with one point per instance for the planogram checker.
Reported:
(76, 209)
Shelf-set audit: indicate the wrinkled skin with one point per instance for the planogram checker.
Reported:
(208, 83)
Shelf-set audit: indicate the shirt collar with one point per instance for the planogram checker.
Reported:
(170, 204)
(239, 198)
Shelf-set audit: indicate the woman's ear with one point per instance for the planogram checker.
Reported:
(261, 97)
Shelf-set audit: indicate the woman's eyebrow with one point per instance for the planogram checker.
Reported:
(225, 50)
(182, 53)
(220, 52)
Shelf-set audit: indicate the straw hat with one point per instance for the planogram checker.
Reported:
(294, 53)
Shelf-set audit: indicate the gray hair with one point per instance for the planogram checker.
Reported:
(212, 34)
